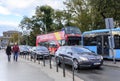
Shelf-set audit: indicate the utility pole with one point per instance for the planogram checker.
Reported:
(110, 25)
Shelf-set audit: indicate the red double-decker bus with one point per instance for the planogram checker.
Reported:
(67, 36)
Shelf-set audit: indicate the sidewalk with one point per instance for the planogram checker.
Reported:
(57, 76)
(26, 70)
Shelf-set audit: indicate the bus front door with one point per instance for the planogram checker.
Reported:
(103, 46)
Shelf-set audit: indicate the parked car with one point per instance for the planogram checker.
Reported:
(32, 52)
(78, 56)
(24, 50)
(40, 51)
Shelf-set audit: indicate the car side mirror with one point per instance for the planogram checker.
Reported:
(70, 53)
(93, 52)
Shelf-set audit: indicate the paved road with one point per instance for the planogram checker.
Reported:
(106, 73)
(20, 71)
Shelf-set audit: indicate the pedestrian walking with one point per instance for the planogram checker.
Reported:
(8, 52)
(15, 52)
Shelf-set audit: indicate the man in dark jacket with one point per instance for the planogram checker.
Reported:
(8, 52)
(15, 52)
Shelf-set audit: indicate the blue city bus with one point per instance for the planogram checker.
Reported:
(98, 41)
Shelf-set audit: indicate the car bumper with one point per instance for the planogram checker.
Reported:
(24, 52)
(91, 64)
(42, 55)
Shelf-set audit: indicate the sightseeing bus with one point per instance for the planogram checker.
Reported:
(98, 41)
(66, 36)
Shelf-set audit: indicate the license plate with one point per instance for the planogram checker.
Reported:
(96, 63)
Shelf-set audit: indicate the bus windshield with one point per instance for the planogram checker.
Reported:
(72, 30)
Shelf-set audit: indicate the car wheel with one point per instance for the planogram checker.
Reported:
(75, 64)
(31, 56)
(58, 61)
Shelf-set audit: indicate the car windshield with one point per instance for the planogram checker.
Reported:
(42, 49)
(81, 50)
(24, 48)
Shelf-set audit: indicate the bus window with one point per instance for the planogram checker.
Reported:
(117, 41)
(72, 30)
(46, 44)
(89, 41)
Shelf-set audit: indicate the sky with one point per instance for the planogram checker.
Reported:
(12, 11)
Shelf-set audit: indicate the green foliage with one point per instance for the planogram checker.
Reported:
(14, 38)
(107, 9)
(45, 13)
(85, 14)
(25, 23)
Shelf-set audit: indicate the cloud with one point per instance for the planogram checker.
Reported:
(55, 4)
(20, 8)
(8, 23)
(26, 7)
(21, 4)
(4, 11)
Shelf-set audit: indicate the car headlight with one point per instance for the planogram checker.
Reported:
(38, 52)
(101, 57)
(83, 58)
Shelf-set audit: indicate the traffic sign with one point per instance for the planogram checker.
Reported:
(109, 23)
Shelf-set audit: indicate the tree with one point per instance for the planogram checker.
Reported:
(58, 20)
(25, 23)
(45, 13)
(91, 14)
(14, 38)
(107, 9)
(80, 14)
(36, 24)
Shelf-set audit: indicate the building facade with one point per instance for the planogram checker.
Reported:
(7, 36)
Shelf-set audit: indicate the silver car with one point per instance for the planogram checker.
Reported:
(78, 57)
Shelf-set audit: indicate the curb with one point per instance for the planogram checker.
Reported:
(115, 65)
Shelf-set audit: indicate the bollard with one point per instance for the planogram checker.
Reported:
(25, 55)
(22, 55)
(28, 56)
(73, 69)
(56, 65)
(63, 66)
(43, 60)
(50, 61)
(39, 60)
(31, 57)
(34, 57)
(114, 61)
